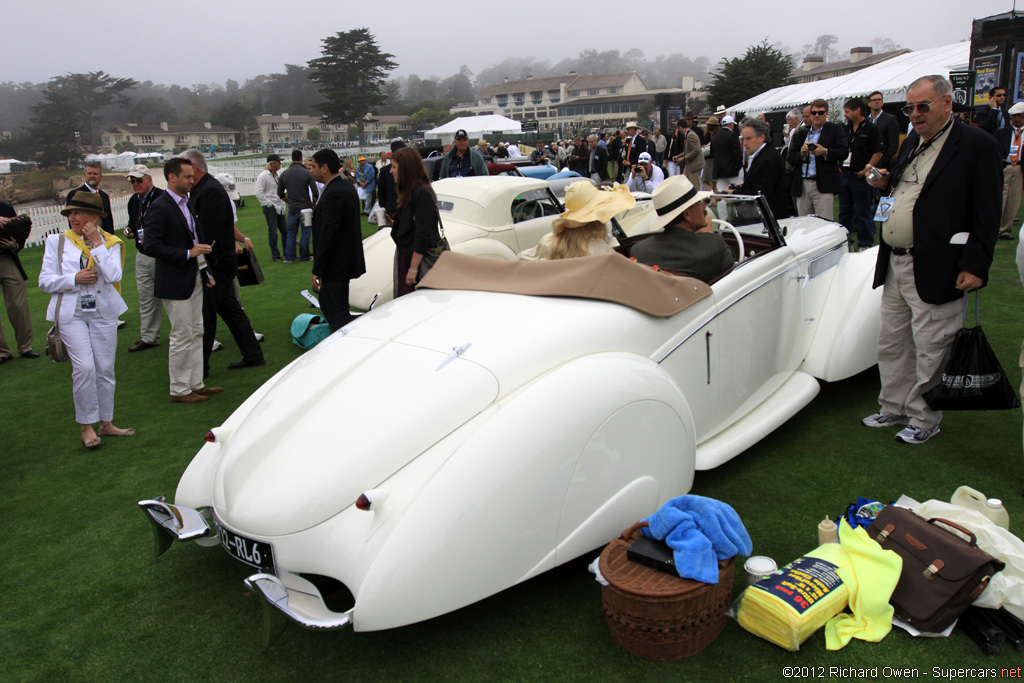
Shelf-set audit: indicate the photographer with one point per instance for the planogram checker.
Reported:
(644, 176)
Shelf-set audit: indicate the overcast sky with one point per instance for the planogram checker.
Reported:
(211, 41)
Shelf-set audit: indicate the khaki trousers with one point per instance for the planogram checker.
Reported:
(149, 306)
(814, 201)
(913, 343)
(185, 352)
(1013, 183)
(16, 302)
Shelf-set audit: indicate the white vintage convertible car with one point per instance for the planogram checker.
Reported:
(508, 417)
(495, 217)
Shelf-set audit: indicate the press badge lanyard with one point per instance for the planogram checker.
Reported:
(885, 203)
(86, 299)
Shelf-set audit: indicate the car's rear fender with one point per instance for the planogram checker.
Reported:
(846, 337)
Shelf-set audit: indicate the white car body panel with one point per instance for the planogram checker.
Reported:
(558, 423)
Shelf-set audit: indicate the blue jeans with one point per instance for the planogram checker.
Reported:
(855, 200)
(275, 224)
(368, 202)
(294, 222)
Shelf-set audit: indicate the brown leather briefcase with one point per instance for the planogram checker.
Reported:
(943, 573)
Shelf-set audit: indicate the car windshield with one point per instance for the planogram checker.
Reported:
(748, 214)
(534, 204)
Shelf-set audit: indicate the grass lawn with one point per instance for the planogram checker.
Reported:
(87, 601)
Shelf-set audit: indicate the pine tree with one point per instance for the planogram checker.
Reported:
(762, 68)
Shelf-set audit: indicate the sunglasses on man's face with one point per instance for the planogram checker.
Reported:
(135, 181)
(922, 108)
(818, 113)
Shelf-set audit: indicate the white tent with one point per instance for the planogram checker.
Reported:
(475, 126)
(6, 165)
(890, 77)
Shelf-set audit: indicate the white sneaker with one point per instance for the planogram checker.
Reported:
(217, 346)
(883, 420)
(259, 336)
(916, 435)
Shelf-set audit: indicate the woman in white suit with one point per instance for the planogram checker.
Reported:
(85, 301)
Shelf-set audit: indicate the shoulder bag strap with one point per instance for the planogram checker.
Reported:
(60, 271)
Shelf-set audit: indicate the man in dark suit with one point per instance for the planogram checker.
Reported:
(887, 127)
(210, 202)
(597, 164)
(816, 153)
(632, 146)
(994, 116)
(93, 176)
(150, 312)
(614, 149)
(337, 239)
(1011, 141)
(12, 281)
(174, 238)
(727, 155)
(766, 171)
(946, 180)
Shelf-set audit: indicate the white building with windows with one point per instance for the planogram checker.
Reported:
(165, 137)
(545, 100)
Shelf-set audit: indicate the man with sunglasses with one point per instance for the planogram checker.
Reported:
(937, 240)
(150, 310)
(994, 116)
(816, 153)
(887, 128)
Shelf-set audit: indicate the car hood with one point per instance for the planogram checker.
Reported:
(363, 404)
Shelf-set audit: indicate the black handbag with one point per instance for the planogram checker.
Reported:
(432, 254)
(972, 379)
(249, 271)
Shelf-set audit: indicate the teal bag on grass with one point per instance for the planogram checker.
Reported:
(308, 330)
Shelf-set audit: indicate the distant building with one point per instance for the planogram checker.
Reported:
(815, 69)
(294, 128)
(166, 137)
(572, 100)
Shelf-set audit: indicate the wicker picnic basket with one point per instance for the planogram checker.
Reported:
(659, 616)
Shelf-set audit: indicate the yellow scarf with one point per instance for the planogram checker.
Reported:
(108, 241)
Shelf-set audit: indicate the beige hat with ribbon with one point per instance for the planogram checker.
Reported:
(585, 203)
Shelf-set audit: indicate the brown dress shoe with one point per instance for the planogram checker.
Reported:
(189, 398)
(208, 391)
(140, 346)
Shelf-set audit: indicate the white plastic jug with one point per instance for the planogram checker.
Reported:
(969, 498)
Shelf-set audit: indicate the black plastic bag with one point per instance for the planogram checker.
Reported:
(973, 379)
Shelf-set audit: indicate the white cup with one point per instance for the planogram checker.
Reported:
(307, 217)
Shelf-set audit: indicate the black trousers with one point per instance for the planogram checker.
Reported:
(334, 303)
(221, 300)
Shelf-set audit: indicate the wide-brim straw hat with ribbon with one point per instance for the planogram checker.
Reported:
(673, 196)
(586, 203)
(84, 201)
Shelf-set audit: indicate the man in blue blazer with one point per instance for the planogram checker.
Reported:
(175, 239)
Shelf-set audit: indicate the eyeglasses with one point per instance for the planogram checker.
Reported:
(135, 181)
(921, 107)
(875, 99)
(818, 113)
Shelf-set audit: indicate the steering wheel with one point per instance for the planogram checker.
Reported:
(527, 210)
(725, 225)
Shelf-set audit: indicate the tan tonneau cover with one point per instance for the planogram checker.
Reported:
(609, 277)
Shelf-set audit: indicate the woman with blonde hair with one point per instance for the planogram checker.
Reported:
(583, 229)
(82, 273)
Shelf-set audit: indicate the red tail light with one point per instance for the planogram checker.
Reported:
(210, 437)
(363, 503)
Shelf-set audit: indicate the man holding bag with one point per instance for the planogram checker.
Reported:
(940, 214)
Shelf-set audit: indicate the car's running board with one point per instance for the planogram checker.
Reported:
(173, 523)
(785, 402)
(274, 597)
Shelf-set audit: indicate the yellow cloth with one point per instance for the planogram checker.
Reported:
(790, 605)
(876, 569)
(108, 241)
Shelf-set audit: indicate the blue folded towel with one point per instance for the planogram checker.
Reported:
(700, 532)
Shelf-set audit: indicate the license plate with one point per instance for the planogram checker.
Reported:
(259, 554)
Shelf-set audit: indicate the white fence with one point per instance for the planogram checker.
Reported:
(46, 220)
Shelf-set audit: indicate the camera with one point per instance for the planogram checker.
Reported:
(874, 175)
(811, 146)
